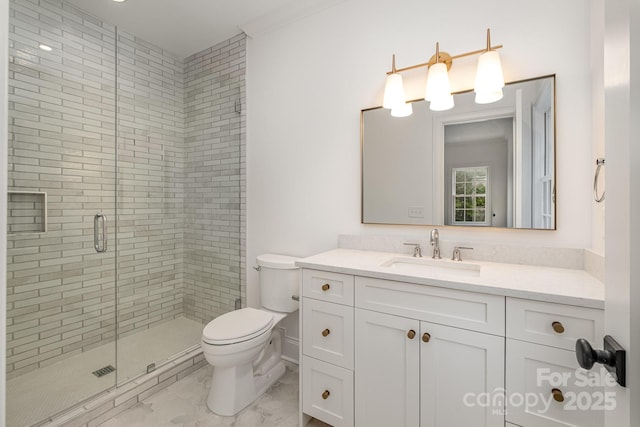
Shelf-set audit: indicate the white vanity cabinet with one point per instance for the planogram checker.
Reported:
(545, 386)
(392, 353)
(410, 372)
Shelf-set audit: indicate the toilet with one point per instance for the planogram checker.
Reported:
(244, 346)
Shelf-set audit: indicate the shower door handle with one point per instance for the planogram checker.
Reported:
(100, 244)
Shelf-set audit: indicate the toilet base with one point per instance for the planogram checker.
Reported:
(235, 388)
(224, 401)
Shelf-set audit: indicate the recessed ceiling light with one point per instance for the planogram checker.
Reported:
(45, 47)
(119, 1)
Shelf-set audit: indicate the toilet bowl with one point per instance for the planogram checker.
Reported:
(245, 346)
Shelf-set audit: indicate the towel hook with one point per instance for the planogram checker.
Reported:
(599, 163)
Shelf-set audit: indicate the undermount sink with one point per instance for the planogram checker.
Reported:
(411, 265)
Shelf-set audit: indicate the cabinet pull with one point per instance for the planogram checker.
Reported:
(426, 337)
(557, 326)
(326, 287)
(557, 395)
(411, 334)
(326, 332)
(326, 394)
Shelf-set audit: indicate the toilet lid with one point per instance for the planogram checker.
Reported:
(237, 326)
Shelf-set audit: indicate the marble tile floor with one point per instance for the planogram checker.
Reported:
(39, 394)
(183, 404)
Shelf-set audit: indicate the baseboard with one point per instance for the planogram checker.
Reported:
(290, 349)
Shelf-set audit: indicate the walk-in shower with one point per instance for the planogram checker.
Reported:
(125, 204)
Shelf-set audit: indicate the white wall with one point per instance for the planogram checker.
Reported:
(597, 126)
(308, 81)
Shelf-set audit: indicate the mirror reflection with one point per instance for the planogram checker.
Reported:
(488, 165)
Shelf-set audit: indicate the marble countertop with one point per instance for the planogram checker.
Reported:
(560, 285)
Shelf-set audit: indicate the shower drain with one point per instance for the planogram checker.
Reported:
(103, 371)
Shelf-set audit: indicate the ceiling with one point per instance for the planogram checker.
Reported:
(184, 27)
(485, 130)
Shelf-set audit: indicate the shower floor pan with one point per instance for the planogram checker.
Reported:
(38, 395)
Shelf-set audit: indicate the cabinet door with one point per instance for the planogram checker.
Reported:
(459, 370)
(327, 330)
(387, 379)
(546, 388)
(327, 392)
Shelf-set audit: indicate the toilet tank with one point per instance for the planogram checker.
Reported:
(279, 281)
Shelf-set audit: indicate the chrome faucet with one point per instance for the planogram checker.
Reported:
(435, 242)
(417, 250)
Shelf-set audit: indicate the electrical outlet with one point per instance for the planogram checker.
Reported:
(416, 212)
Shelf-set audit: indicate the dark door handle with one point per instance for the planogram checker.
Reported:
(612, 357)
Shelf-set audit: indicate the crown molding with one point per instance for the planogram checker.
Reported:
(286, 15)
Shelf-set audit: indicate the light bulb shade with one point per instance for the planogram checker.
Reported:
(489, 77)
(438, 86)
(488, 97)
(393, 92)
(402, 111)
(442, 104)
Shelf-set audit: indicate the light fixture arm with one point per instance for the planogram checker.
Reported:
(488, 39)
(445, 57)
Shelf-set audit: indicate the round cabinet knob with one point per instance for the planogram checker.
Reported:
(426, 337)
(326, 332)
(326, 287)
(558, 327)
(557, 395)
(411, 334)
(326, 394)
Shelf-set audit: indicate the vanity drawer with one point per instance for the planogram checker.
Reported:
(533, 371)
(326, 286)
(327, 392)
(467, 310)
(556, 325)
(328, 332)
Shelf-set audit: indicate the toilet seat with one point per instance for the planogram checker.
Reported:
(237, 326)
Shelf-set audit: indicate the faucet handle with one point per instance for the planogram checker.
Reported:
(456, 252)
(417, 250)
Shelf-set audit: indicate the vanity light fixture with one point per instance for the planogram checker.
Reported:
(394, 97)
(488, 84)
(489, 77)
(438, 89)
(403, 110)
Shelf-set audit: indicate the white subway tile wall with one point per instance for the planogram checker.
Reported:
(150, 178)
(61, 292)
(180, 182)
(214, 132)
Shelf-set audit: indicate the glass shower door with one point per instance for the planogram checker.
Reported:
(179, 200)
(61, 265)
